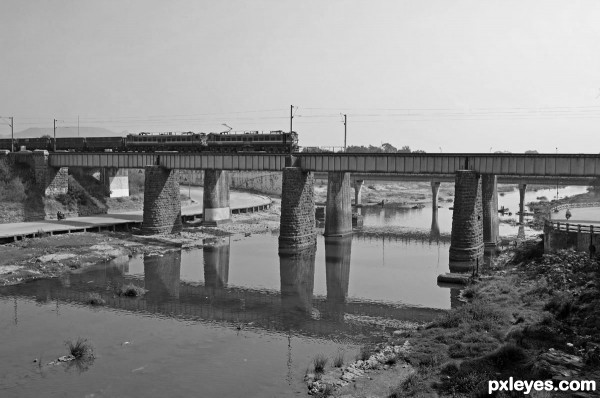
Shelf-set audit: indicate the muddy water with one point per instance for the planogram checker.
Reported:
(232, 319)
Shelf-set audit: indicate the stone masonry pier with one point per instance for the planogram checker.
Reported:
(297, 228)
(466, 246)
(162, 203)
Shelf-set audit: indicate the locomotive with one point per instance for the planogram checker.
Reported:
(276, 141)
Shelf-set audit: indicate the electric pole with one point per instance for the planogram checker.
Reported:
(12, 132)
(54, 144)
(291, 117)
(345, 124)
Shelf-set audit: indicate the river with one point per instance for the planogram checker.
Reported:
(233, 318)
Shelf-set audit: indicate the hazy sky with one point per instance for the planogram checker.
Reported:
(456, 76)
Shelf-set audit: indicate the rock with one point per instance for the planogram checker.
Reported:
(56, 257)
(559, 363)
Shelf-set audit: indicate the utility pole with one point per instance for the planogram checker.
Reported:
(54, 143)
(12, 133)
(77, 125)
(291, 117)
(345, 124)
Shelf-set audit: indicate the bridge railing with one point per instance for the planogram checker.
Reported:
(580, 228)
(574, 206)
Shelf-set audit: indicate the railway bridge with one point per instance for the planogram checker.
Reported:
(475, 217)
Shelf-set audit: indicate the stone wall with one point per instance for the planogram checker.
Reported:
(162, 205)
(466, 244)
(297, 227)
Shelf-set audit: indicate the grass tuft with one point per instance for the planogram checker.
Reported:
(319, 363)
(338, 360)
(80, 349)
(131, 290)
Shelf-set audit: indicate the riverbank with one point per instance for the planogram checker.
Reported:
(52, 256)
(530, 316)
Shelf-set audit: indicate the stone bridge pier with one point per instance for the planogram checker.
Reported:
(162, 203)
(297, 222)
(466, 244)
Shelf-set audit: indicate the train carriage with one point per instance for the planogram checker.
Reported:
(32, 144)
(251, 141)
(101, 144)
(76, 144)
(274, 141)
(182, 142)
(5, 143)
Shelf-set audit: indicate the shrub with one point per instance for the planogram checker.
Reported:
(95, 299)
(12, 190)
(561, 306)
(469, 292)
(131, 290)
(136, 181)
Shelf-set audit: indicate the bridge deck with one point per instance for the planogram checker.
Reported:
(540, 165)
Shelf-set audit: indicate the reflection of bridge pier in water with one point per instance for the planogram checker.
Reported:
(216, 264)
(337, 265)
(162, 276)
(297, 274)
(434, 234)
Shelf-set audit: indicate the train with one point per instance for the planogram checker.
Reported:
(276, 141)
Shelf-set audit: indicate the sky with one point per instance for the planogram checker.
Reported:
(438, 75)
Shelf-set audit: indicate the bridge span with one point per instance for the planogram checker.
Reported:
(475, 221)
(539, 165)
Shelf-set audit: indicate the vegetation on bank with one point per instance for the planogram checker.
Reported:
(14, 183)
(535, 318)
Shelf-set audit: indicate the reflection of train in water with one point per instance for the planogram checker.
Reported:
(250, 141)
